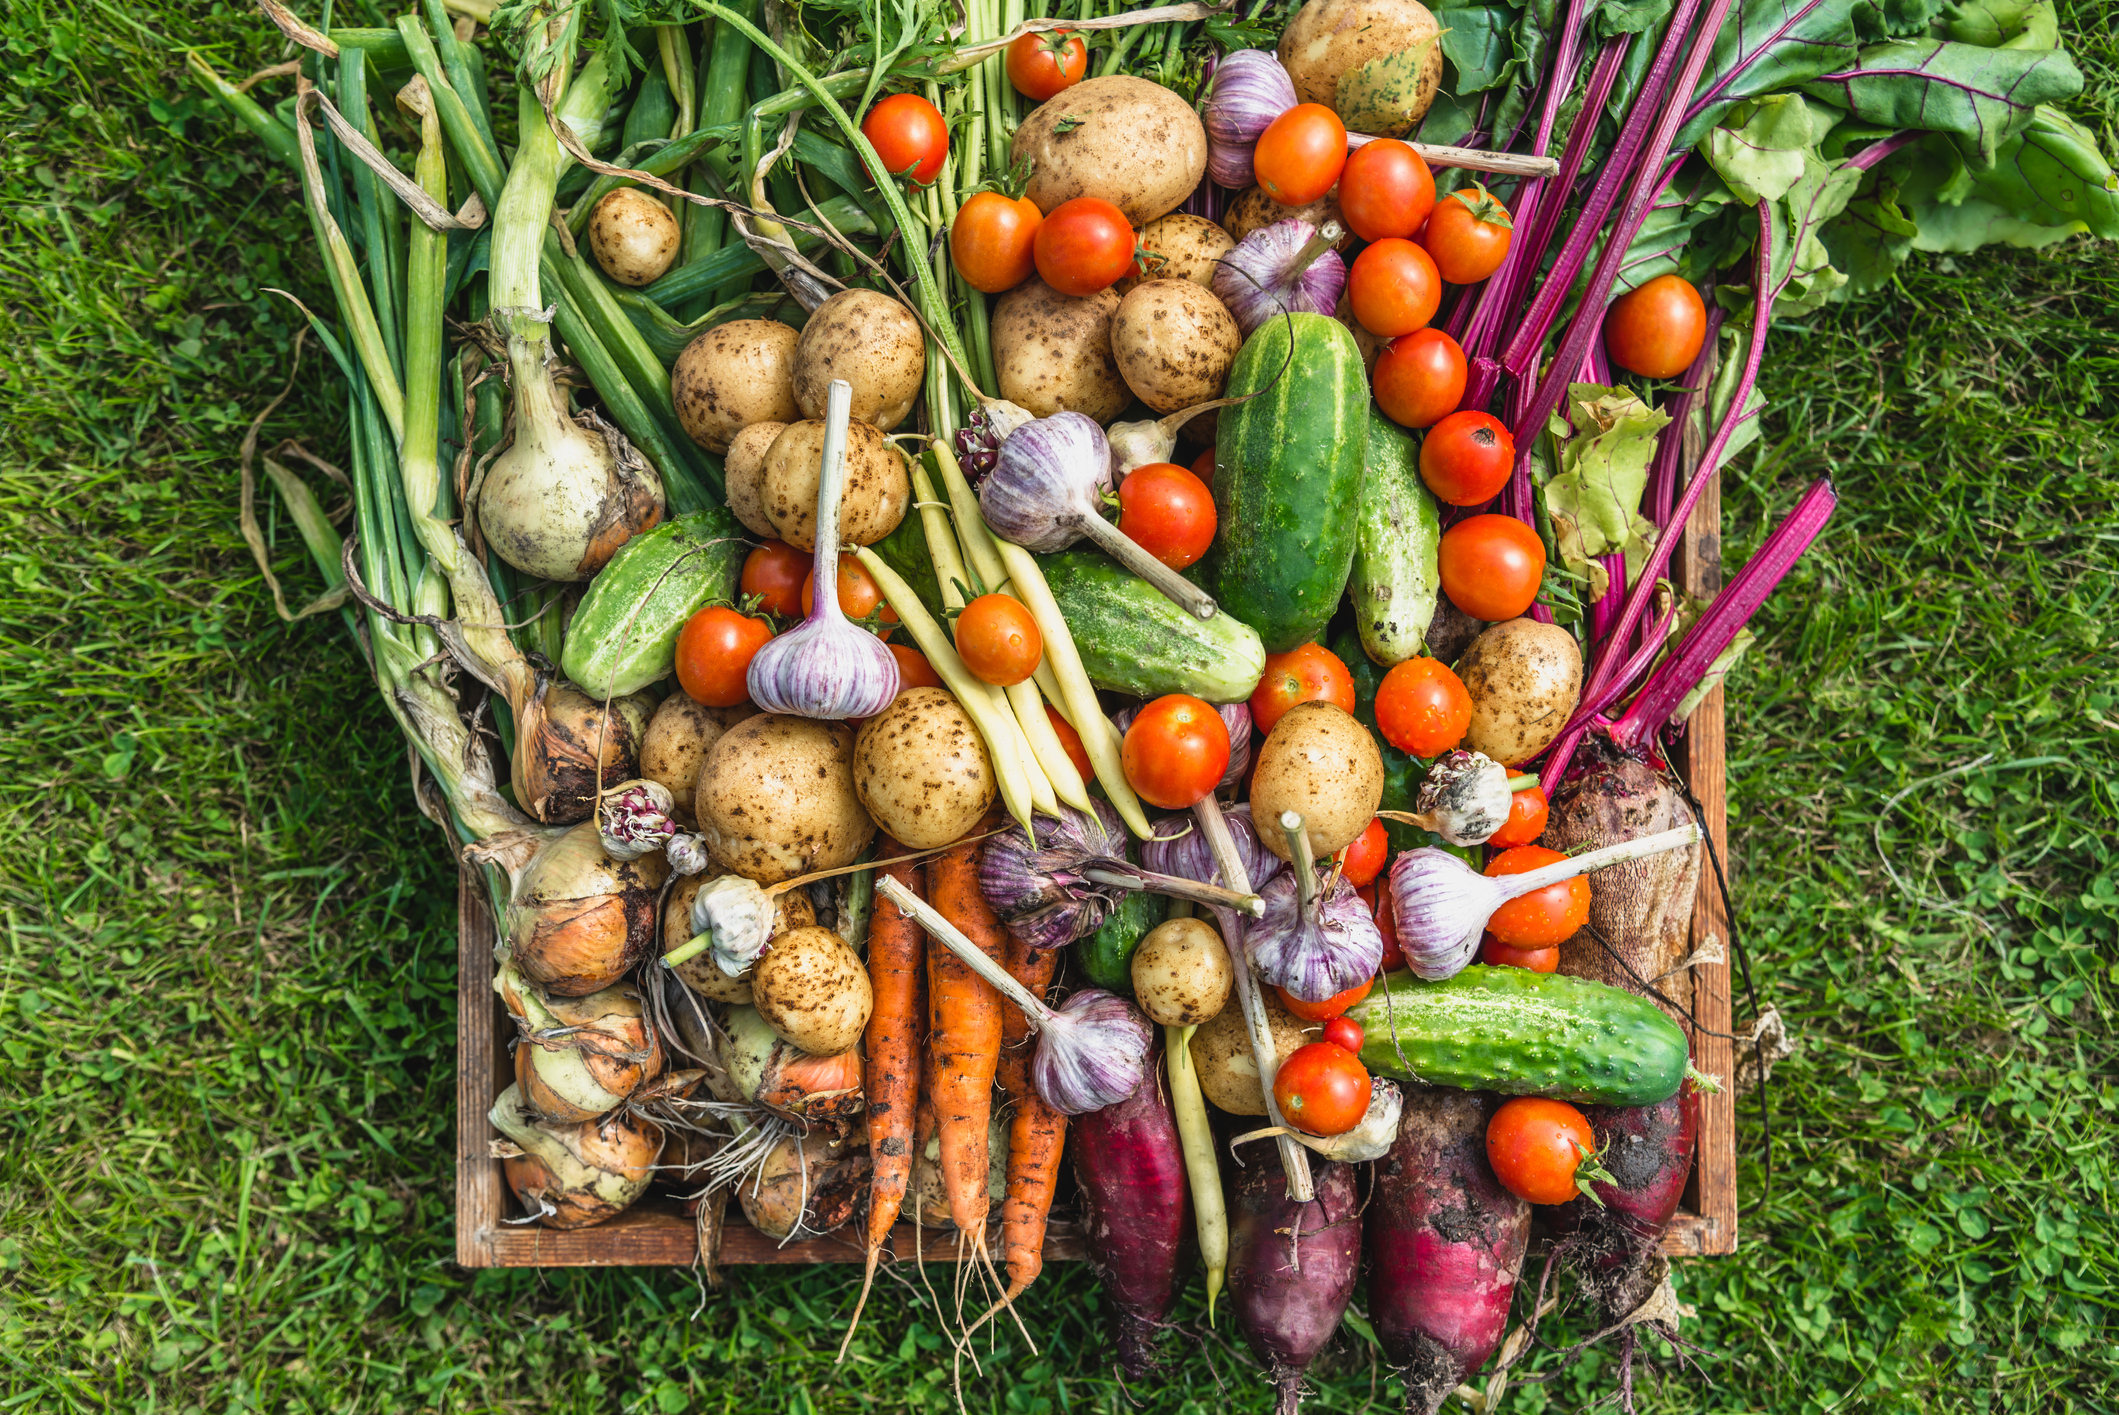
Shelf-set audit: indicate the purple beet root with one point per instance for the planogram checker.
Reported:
(1292, 1267)
(1445, 1245)
(1618, 1249)
(1138, 1211)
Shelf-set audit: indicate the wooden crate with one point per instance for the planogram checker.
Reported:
(653, 1232)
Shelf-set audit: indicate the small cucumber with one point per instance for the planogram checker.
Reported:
(1106, 956)
(1133, 640)
(1397, 540)
(624, 635)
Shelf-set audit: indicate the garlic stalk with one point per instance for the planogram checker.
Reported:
(1464, 799)
(1314, 945)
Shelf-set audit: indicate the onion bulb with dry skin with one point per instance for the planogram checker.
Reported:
(634, 237)
(578, 1057)
(574, 1176)
(577, 920)
(567, 747)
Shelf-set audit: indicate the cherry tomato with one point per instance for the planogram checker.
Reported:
(859, 594)
(1468, 235)
(1543, 919)
(1527, 811)
(1535, 1146)
(1385, 190)
(1379, 895)
(1329, 1008)
(1322, 1089)
(1040, 65)
(1492, 566)
(994, 240)
(1176, 751)
(1083, 246)
(775, 572)
(1394, 288)
(1467, 458)
(1422, 707)
(1203, 466)
(1362, 861)
(1309, 674)
(908, 133)
(1166, 511)
(914, 671)
(1419, 377)
(1300, 153)
(1656, 331)
(1499, 955)
(1345, 1033)
(1071, 743)
(714, 650)
(999, 640)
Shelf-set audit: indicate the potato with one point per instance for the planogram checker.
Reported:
(813, 991)
(1377, 63)
(1123, 140)
(676, 743)
(1228, 1069)
(806, 1185)
(878, 488)
(872, 342)
(702, 974)
(1179, 247)
(1053, 352)
(1174, 344)
(734, 375)
(633, 236)
(744, 466)
(1253, 209)
(921, 770)
(1322, 764)
(775, 798)
(1525, 679)
(1181, 973)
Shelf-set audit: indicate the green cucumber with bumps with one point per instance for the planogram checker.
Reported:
(1134, 640)
(1397, 548)
(1106, 956)
(1523, 1034)
(624, 635)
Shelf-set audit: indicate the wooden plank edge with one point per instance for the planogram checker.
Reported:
(479, 1185)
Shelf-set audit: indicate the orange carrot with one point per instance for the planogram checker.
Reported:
(1037, 1135)
(963, 1037)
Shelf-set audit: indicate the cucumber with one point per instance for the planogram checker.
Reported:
(1397, 541)
(1133, 640)
(1523, 1034)
(624, 635)
(1106, 956)
(1287, 479)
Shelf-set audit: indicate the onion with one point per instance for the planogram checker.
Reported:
(573, 1176)
(1250, 90)
(568, 748)
(1289, 266)
(577, 921)
(578, 1058)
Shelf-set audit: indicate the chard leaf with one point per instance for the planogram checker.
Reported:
(1883, 19)
(1870, 239)
(1768, 45)
(1728, 370)
(1476, 43)
(1606, 443)
(1630, 17)
(1804, 277)
(1450, 122)
(2004, 24)
(1981, 95)
(1759, 153)
(1976, 222)
(2052, 175)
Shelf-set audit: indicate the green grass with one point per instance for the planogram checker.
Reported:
(226, 1064)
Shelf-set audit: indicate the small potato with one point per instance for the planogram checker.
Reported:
(878, 488)
(1182, 974)
(1253, 209)
(734, 375)
(633, 236)
(1322, 764)
(921, 770)
(775, 798)
(1121, 139)
(813, 991)
(677, 740)
(702, 974)
(744, 466)
(1525, 679)
(1179, 247)
(1174, 343)
(1053, 352)
(1228, 1069)
(872, 342)
(1377, 63)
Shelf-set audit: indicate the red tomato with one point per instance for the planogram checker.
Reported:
(1385, 190)
(1166, 511)
(775, 572)
(1300, 153)
(1498, 954)
(1544, 919)
(1535, 1146)
(1468, 458)
(1084, 245)
(1329, 1008)
(1309, 674)
(1040, 65)
(998, 640)
(1071, 743)
(1492, 567)
(1379, 895)
(1527, 811)
(1175, 751)
(914, 671)
(1394, 288)
(714, 650)
(993, 241)
(1203, 466)
(1345, 1033)
(1422, 707)
(1362, 861)
(908, 133)
(1322, 1089)
(1468, 235)
(1419, 378)
(859, 594)
(1656, 331)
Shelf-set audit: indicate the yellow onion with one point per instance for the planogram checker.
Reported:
(577, 920)
(808, 1185)
(573, 1176)
(578, 1058)
(567, 747)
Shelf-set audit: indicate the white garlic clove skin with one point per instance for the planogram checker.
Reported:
(738, 915)
(1467, 794)
(1094, 1053)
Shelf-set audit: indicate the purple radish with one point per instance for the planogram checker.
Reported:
(1292, 1267)
(1138, 1210)
(1618, 1249)
(1445, 1245)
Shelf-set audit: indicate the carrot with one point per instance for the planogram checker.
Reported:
(963, 1037)
(1037, 1135)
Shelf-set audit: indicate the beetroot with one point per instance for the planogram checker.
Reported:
(1292, 1267)
(1137, 1209)
(1618, 1249)
(1445, 1245)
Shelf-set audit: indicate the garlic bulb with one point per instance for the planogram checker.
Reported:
(1250, 89)
(736, 914)
(1464, 799)
(634, 819)
(573, 1176)
(1179, 847)
(1315, 942)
